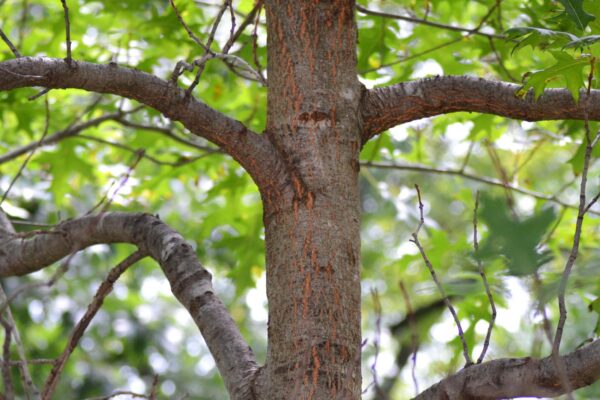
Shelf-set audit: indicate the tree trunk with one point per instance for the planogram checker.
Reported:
(312, 208)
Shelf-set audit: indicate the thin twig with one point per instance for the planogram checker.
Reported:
(413, 56)
(486, 285)
(376, 345)
(39, 94)
(559, 364)
(473, 31)
(153, 388)
(58, 136)
(179, 163)
(9, 44)
(119, 393)
(467, 33)
(465, 161)
(415, 240)
(31, 391)
(189, 31)
(591, 203)
(109, 197)
(69, 59)
(24, 164)
(499, 60)
(541, 307)
(23, 22)
(574, 249)
(472, 177)
(103, 290)
(169, 133)
(9, 392)
(64, 267)
(259, 67)
(497, 164)
(414, 337)
(35, 361)
(208, 54)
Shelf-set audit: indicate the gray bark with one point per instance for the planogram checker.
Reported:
(306, 167)
(190, 282)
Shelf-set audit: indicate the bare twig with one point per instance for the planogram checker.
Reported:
(413, 56)
(58, 136)
(497, 164)
(169, 133)
(119, 393)
(38, 94)
(104, 289)
(415, 240)
(414, 338)
(467, 32)
(9, 44)
(472, 177)
(500, 62)
(23, 22)
(154, 388)
(35, 361)
(590, 143)
(69, 59)
(64, 267)
(473, 31)
(377, 346)
(259, 67)
(144, 155)
(486, 285)
(189, 31)
(24, 164)
(541, 308)
(108, 197)
(201, 64)
(591, 203)
(9, 392)
(31, 391)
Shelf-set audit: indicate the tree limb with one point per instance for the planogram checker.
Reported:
(386, 107)
(252, 151)
(25, 253)
(518, 377)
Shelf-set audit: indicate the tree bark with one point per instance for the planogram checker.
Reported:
(312, 211)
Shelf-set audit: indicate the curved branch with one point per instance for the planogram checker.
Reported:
(386, 107)
(251, 150)
(518, 377)
(25, 253)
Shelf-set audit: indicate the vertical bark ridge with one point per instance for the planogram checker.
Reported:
(312, 214)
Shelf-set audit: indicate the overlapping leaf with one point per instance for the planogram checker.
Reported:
(568, 68)
(516, 240)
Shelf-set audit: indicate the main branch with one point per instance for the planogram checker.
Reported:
(252, 151)
(518, 377)
(386, 107)
(25, 253)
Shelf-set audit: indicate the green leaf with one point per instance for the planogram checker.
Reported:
(515, 240)
(582, 42)
(577, 160)
(574, 9)
(539, 37)
(567, 67)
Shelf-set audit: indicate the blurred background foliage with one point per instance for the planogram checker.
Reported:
(139, 161)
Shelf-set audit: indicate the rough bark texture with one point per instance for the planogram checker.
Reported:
(518, 377)
(252, 151)
(312, 212)
(190, 281)
(386, 107)
(306, 167)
